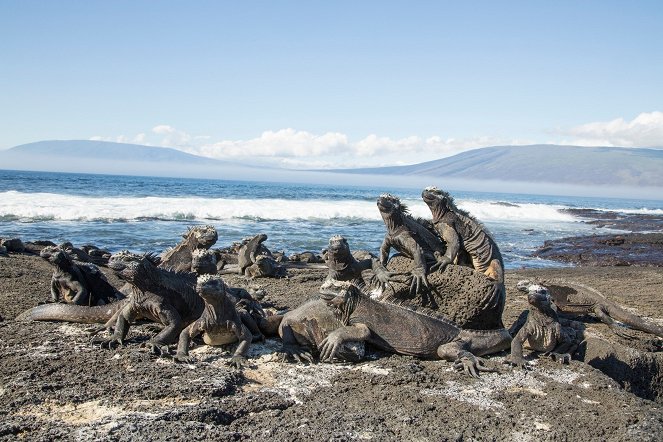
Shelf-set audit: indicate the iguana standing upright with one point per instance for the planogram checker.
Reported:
(409, 237)
(542, 331)
(179, 257)
(344, 267)
(463, 235)
(219, 322)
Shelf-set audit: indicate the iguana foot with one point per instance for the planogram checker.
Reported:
(297, 353)
(153, 328)
(93, 331)
(158, 348)
(562, 358)
(471, 365)
(517, 361)
(185, 359)
(329, 348)
(109, 343)
(238, 361)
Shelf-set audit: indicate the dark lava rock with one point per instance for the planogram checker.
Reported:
(634, 249)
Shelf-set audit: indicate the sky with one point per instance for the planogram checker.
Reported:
(304, 84)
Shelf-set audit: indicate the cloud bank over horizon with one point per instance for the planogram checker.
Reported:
(299, 149)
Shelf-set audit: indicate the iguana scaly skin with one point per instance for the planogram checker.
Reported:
(351, 316)
(159, 295)
(179, 257)
(219, 323)
(204, 262)
(463, 235)
(409, 237)
(76, 282)
(575, 299)
(542, 332)
(343, 266)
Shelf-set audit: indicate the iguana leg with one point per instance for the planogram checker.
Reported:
(244, 337)
(604, 317)
(516, 357)
(172, 320)
(250, 323)
(187, 334)
(462, 359)
(269, 325)
(291, 348)
(331, 345)
(123, 319)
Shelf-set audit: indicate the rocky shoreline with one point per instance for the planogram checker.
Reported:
(640, 244)
(55, 385)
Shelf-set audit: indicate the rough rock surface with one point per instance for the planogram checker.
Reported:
(54, 385)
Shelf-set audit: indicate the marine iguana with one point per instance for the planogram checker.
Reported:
(76, 282)
(179, 257)
(219, 322)
(464, 235)
(204, 262)
(575, 299)
(159, 295)
(255, 260)
(542, 332)
(345, 314)
(343, 266)
(409, 237)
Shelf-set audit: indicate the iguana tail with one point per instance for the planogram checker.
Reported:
(634, 321)
(98, 314)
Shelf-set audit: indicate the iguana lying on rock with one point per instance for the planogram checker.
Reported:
(351, 316)
(78, 283)
(179, 257)
(410, 238)
(255, 260)
(464, 236)
(343, 266)
(575, 299)
(219, 322)
(542, 331)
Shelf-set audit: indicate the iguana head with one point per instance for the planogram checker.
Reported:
(388, 203)
(437, 200)
(211, 288)
(538, 296)
(203, 261)
(127, 264)
(342, 295)
(55, 255)
(338, 253)
(203, 236)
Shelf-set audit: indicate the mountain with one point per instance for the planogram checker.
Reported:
(106, 150)
(543, 163)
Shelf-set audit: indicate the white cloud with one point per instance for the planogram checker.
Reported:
(297, 149)
(645, 130)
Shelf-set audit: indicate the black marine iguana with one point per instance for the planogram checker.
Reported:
(255, 260)
(344, 267)
(575, 299)
(179, 257)
(219, 322)
(463, 235)
(76, 282)
(542, 332)
(409, 237)
(344, 314)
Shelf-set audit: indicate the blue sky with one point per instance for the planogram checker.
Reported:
(312, 83)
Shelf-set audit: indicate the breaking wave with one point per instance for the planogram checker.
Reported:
(34, 207)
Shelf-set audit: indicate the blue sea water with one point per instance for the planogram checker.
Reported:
(150, 214)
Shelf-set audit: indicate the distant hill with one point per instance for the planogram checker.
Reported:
(544, 163)
(100, 150)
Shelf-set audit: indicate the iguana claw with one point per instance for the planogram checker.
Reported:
(329, 347)
(109, 343)
(158, 348)
(238, 361)
(470, 364)
(297, 353)
(418, 281)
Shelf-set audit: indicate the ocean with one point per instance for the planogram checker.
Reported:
(149, 214)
